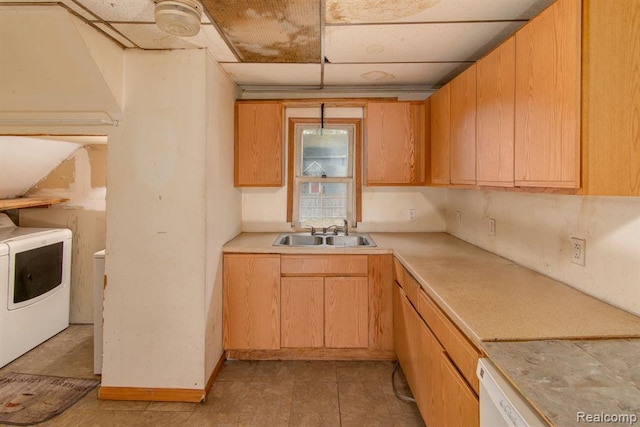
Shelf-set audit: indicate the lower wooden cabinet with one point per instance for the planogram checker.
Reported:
(327, 312)
(404, 336)
(460, 407)
(308, 306)
(429, 375)
(302, 312)
(252, 300)
(443, 395)
(346, 322)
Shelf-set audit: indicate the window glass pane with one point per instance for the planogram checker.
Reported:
(325, 152)
(322, 204)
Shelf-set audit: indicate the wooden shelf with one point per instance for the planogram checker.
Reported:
(29, 202)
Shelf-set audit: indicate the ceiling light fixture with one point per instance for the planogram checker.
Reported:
(179, 17)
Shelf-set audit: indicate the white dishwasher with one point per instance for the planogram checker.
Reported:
(501, 404)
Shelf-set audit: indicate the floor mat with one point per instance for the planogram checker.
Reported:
(27, 399)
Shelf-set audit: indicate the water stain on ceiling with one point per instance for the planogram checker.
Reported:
(272, 31)
(374, 11)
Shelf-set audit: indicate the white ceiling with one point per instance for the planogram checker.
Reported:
(362, 44)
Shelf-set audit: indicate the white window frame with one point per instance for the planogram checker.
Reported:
(298, 179)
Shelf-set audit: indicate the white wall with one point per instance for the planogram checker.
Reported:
(534, 230)
(383, 208)
(154, 318)
(223, 201)
(80, 178)
(59, 67)
(26, 160)
(64, 70)
(171, 198)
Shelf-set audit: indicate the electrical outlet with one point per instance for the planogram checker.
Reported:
(492, 227)
(411, 214)
(578, 250)
(459, 217)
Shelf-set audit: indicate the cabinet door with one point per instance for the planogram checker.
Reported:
(405, 336)
(428, 375)
(440, 135)
(258, 145)
(420, 127)
(302, 312)
(611, 103)
(346, 311)
(381, 286)
(495, 119)
(460, 405)
(547, 118)
(251, 302)
(463, 127)
(395, 144)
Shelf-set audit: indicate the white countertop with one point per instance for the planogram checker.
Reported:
(489, 297)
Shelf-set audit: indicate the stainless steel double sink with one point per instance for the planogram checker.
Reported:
(307, 239)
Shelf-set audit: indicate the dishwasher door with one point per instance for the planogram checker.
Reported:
(501, 404)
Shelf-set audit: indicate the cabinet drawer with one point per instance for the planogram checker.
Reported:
(411, 288)
(398, 272)
(463, 353)
(324, 265)
(406, 281)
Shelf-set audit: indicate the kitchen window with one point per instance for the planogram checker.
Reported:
(324, 172)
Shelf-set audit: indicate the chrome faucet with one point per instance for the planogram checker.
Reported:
(335, 228)
(331, 227)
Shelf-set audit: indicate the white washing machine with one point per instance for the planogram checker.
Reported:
(35, 271)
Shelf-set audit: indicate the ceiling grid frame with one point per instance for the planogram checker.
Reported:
(336, 67)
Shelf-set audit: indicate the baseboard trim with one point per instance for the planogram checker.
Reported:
(215, 372)
(313, 354)
(162, 394)
(152, 394)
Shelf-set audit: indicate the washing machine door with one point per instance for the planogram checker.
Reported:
(38, 267)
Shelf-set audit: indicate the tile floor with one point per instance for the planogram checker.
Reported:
(265, 393)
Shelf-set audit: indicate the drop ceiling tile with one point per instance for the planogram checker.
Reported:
(376, 11)
(273, 31)
(68, 3)
(149, 36)
(391, 74)
(274, 74)
(121, 10)
(114, 34)
(126, 10)
(79, 10)
(216, 45)
(414, 42)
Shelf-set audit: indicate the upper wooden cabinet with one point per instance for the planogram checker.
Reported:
(611, 98)
(258, 144)
(495, 116)
(396, 143)
(463, 127)
(547, 98)
(440, 121)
